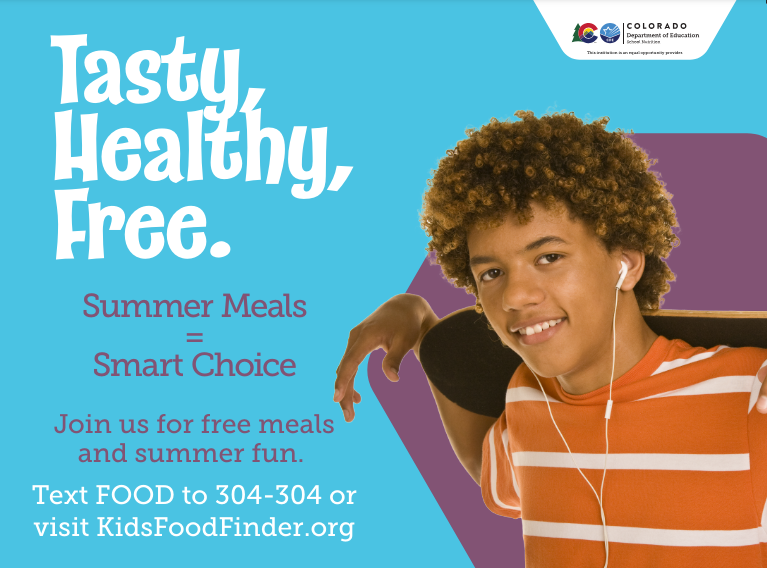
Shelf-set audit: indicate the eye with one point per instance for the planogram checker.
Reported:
(549, 258)
(489, 275)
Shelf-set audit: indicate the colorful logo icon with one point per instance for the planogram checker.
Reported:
(576, 37)
(610, 33)
(587, 33)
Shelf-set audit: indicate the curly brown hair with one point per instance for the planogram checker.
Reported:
(601, 177)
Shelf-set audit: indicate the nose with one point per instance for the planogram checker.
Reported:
(521, 291)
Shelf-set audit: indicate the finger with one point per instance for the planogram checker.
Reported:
(393, 359)
(356, 397)
(761, 402)
(347, 402)
(353, 335)
(350, 362)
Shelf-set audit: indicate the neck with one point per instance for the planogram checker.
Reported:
(632, 342)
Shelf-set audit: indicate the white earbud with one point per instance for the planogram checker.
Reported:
(623, 272)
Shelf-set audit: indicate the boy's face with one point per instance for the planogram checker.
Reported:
(553, 268)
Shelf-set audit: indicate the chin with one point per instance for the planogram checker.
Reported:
(546, 366)
(544, 370)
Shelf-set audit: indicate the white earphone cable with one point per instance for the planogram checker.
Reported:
(608, 412)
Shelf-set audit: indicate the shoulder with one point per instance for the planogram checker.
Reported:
(718, 360)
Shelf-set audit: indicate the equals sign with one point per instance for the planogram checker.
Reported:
(194, 337)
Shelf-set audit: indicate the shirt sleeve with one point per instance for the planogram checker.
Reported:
(757, 442)
(499, 485)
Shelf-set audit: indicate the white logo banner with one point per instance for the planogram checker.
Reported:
(635, 29)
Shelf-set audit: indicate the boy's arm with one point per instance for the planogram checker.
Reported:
(466, 431)
(398, 326)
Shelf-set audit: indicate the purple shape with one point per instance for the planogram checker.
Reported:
(720, 199)
(487, 538)
(719, 194)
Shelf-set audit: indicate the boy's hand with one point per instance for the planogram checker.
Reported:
(397, 326)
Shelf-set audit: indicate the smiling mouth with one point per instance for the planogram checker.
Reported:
(539, 327)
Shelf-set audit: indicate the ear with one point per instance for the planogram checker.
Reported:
(635, 262)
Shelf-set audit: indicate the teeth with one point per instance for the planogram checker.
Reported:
(539, 327)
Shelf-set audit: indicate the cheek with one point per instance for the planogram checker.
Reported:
(486, 300)
(499, 330)
(590, 306)
(493, 312)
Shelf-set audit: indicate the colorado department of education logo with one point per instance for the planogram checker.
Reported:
(610, 33)
(587, 33)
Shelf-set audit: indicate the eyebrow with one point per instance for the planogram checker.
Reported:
(545, 241)
(549, 239)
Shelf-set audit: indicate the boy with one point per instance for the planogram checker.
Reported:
(561, 232)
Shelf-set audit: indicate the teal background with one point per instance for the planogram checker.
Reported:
(396, 84)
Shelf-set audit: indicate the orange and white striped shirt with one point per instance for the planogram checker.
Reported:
(686, 481)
